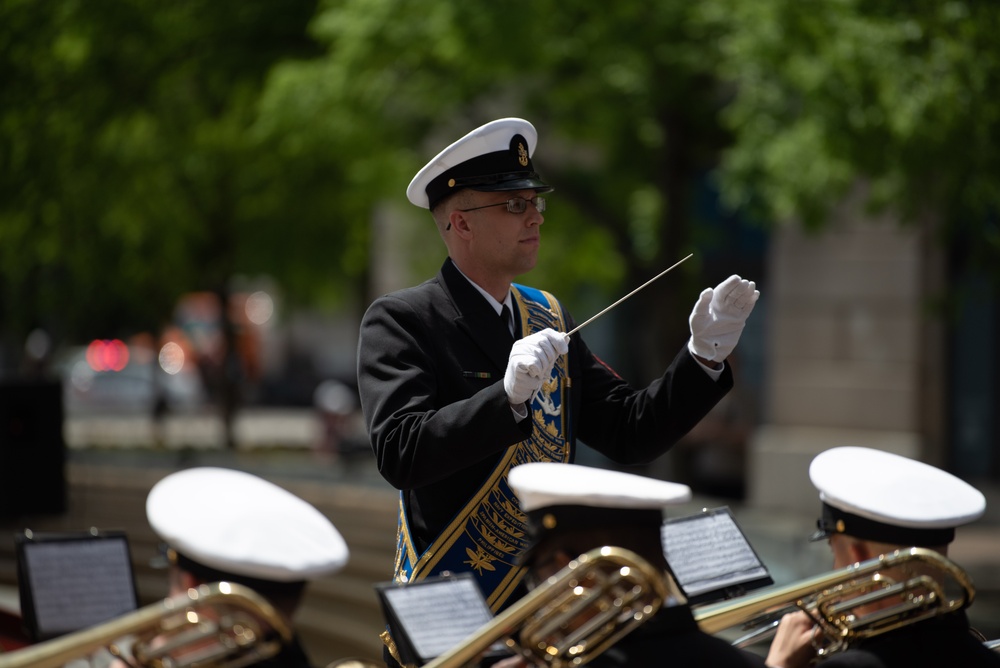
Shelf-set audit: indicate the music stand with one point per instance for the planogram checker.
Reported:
(431, 616)
(711, 558)
(72, 581)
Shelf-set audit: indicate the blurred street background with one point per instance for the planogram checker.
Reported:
(199, 199)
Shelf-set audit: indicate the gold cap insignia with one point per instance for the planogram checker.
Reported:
(549, 521)
(522, 155)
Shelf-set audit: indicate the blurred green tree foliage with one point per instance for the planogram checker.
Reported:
(623, 97)
(148, 149)
(902, 96)
(127, 176)
(790, 103)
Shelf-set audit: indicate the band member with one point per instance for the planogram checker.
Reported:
(874, 503)
(227, 525)
(469, 374)
(572, 509)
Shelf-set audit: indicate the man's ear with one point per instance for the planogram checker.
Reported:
(459, 223)
(860, 551)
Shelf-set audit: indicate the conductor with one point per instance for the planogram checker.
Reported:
(469, 374)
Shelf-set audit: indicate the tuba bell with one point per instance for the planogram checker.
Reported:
(216, 625)
(915, 584)
(576, 614)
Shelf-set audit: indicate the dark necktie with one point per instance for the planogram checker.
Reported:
(506, 320)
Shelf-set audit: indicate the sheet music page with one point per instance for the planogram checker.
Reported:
(437, 616)
(709, 551)
(78, 583)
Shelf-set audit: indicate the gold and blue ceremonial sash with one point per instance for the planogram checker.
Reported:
(490, 532)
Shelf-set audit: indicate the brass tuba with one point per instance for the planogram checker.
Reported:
(576, 614)
(221, 624)
(930, 585)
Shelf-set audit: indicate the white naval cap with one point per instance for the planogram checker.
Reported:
(238, 523)
(493, 157)
(876, 495)
(561, 497)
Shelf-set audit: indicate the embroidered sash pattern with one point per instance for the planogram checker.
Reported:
(487, 535)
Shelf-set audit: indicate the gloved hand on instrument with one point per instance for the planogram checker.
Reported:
(530, 363)
(719, 316)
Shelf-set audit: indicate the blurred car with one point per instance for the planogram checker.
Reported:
(108, 376)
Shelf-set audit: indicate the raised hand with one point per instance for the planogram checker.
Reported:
(719, 316)
(530, 363)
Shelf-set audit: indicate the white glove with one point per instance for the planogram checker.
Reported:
(530, 363)
(718, 317)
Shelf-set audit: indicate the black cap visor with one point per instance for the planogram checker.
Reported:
(526, 183)
(834, 520)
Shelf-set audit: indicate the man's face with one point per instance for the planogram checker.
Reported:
(504, 243)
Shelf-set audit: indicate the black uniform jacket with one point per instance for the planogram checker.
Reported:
(943, 641)
(431, 362)
(291, 655)
(672, 638)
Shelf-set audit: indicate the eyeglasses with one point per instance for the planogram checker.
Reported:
(515, 204)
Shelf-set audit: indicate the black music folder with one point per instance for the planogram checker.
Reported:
(72, 581)
(711, 558)
(428, 617)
